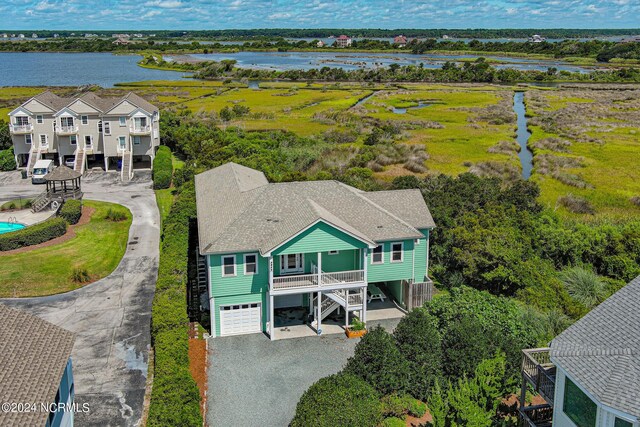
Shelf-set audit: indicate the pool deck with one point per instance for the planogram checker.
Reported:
(25, 216)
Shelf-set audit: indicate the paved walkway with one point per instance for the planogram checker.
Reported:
(111, 317)
(257, 382)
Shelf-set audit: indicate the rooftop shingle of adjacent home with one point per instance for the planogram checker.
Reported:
(239, 210)
(33, 357)
(601, 351)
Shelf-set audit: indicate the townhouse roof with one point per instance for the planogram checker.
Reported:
(239, 210)
(103, 105)
(33, 356)
(601, 351)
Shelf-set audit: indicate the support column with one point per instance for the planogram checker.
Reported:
(364, 304)
(346, 309)
(310, 303)
(319, 270)
(364, 260)
(106, 164)
(319, 315)
(271, 272)
(271, 318)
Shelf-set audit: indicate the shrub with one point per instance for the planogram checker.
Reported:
(175, 399)
(584, 286)
(80, 275)
(357, 325)
(395, 405)
(378, 361)
(393, 422)
(7, 160)
(33, 235)
(464, 346)
(635, 200)
(419, 342)
(577, 204)
(338, 400)
(115, 215)
(162, 168)
(71, 211)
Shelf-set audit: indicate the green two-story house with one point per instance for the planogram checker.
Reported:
(318, 245)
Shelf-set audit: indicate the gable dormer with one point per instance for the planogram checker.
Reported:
(35, 106)
(66, 112)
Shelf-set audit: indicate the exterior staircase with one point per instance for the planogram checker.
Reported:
(40, 202)
(127, 164)
(79, 160)
(34, 156)
(197, 287)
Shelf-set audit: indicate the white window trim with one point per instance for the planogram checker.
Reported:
(245, 264)
(284, 270)
(106, 128)
(30, 139)
(85, 140)
(82, 120)
(120, 147)
(381, 253)
(39, 119)
(71, 140)
(139, 140)
(120, 121)
(222, 258)
(333, 252)
(401, 252)
(100, 126)
(46, 139)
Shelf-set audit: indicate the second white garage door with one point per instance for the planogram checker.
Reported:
(240, 319)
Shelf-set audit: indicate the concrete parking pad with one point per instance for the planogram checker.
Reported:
(111, 317)
(257, 382)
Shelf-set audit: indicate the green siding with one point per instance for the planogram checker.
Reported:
(343, 261)
(389, 271)
(240, 299)
(422, 257)
(395, 289)
(319, 238)
(240, 284)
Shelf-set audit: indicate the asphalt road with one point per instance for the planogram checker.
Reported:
(111, 317)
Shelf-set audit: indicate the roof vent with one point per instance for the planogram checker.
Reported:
(379, 226)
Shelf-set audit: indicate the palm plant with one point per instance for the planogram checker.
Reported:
(584, 286)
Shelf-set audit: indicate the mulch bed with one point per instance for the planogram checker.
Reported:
(412, 421)
(70, 234)
(198, 363)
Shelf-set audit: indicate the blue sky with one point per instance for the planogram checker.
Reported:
(220, 14)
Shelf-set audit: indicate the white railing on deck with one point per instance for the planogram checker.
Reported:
(297, 281)
(338, 277)
(311, 280)
(21, 128)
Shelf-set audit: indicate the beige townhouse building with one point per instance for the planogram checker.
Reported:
(115, 134)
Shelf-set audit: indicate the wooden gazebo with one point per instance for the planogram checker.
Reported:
(63, 183)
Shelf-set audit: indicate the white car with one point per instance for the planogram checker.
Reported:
(70, 162)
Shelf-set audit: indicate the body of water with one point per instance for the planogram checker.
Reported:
(75, 69)
(282, 61)
(523, 135)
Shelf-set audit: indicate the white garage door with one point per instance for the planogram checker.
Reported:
(240, 319)
(288, 301)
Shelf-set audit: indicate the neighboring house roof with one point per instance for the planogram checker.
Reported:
(103, 105)
(601, 351)
(33, 356)
(239, 210)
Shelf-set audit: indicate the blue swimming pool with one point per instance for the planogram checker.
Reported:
(6, 227)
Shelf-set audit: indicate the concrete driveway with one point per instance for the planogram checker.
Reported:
(257, 382)
(111, 317)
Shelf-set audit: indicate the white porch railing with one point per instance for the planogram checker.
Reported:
(21, 128)
(66, 130)
(140, 130)
(311, 280)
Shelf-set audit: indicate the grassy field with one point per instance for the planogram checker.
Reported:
(461, 127)
(97, 248)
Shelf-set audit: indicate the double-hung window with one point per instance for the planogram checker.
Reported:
(136, 140)
(66, 121)
(100, 126)
(228, 265)
(123, 121)
(27, 139)
(107, 128)
(84, 120)
(43, 140)
(377, 255)
(122, 142)
(397, 251)
(39, 120)
(250, 264)
(73, 140)
(22, 120)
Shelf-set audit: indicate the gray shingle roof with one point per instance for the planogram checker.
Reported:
(57, 103)
(238, 210)
(33, 356)
(601, 351)
(62, 173)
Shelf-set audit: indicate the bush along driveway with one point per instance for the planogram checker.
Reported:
(110, 317)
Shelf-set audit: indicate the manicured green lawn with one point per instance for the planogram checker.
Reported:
(97, 247)
(16, 204)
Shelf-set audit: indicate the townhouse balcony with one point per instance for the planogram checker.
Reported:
(318, 281)
(66, 130)
(535, 416)
(21, 129)
(140, 130)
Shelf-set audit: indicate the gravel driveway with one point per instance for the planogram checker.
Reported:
(257, 382)
(111, 317)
